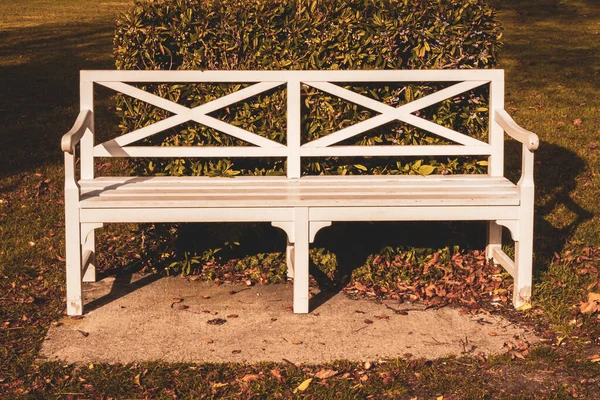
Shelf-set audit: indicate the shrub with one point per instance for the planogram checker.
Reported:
(328, 34)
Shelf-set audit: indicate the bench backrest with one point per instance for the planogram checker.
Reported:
(294, 150)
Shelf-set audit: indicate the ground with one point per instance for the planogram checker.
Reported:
(552, 60)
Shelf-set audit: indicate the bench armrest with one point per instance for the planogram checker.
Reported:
(529, 139)
(71, 138)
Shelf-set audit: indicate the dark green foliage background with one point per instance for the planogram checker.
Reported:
(285, 34)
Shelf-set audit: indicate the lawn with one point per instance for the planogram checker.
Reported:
(552, 58)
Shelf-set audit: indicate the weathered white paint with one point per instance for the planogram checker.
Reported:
(298, 205)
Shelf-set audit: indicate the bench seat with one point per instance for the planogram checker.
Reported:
(321, 191)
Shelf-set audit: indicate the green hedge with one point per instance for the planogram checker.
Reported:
(328, 34)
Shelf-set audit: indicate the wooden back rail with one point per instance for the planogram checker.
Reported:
(518, 218)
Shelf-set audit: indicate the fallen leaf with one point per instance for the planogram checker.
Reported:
(176, 300)
(592, 305)
(182, 307)
(359, 312)
(218, 385)
(208, 340)
(236, 352)
(85, 334)
(250, 378)
(525, 307)
(492, 333)
(325, 373)
(206, 297)
(232, 316)
(595, 358)
(368, 321)
(276, 373)
(216, 321)
(296, 342)
(577, 122)
(303, 386)
(137, 380)
(560, 340)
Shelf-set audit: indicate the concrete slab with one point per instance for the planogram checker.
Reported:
(132, 319)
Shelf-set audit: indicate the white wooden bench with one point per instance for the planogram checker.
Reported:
(298, 205)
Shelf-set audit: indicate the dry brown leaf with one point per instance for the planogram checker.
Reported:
(296, 342)
(176, 300)
(182, 307)
(276, 373)
(250, 378)
(368, 321)
(208, 340)
(593, 296)
(592, 305)
(232, 316)
(325, 373)
(216, 321)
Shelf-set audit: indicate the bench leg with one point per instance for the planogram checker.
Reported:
(73, 263)
(523, 275)
(89, 257)
(88, 248)
(289, 259)
(494, 239)
(300, 263)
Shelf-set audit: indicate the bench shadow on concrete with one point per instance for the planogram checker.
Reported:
(122, 286)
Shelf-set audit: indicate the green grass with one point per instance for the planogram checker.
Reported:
(552, 58)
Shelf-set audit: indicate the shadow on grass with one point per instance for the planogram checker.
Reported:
(39, 76)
